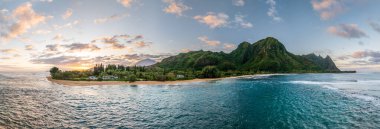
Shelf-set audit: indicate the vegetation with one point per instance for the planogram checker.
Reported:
(140, 73)
(265, 56)
(210, 72)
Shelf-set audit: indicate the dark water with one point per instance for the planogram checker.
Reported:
(278, 101)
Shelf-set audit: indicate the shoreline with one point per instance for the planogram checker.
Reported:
(101, 83)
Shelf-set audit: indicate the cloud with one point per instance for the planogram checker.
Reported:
(114, 41)
(375, 60)
(67, 14)
(272, 11)
(119, 41)
(52, 47)
(175, 7)
(228, 46)
(375, 26)
(110, 18)
(126, 3)
(359, 54)
(367, 60)
(5, 18)
(142, 44)
(55, 54)
(74, 47)
(219, 20)
(129, 59)
(327, 8)
(365, 54)
(239, 19)
(67, 25)
(5, 58)
(185, 50)
(29, 47)
(214, 45)
(58, 37)
(16, 55)
(8, 51)
(19, 22)
(347, 31)
(205, 40)
(49, 1)
(238, 2)
(213, 20)
(42, 32)
(61, 60)
(323, 4)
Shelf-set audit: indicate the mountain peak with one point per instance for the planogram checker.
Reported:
(244, 44)
(270, 44)
(270, 38)
(145, 62)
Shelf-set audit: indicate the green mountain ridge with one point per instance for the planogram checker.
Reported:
(266, 55)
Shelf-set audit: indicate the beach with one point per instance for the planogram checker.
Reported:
(92, 83)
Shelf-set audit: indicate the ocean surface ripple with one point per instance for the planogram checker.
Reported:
(28, 100)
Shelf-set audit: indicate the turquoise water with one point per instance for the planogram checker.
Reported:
(268, 101)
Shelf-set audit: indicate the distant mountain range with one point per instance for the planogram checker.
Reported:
(145, 62)
(266, 55)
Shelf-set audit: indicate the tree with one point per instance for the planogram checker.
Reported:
(206, 60)
(170, 76)
(210, 72)
(98, 69)
(53, 71)
(225, 66)
(132, 78)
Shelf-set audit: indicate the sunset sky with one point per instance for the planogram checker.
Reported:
(76, 34)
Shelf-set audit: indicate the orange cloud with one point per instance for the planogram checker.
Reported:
(213, 20)
(8, 51)
(125, 3)
(110, 18)
(205, 39)
(142, 44)
(327, 8)
(175, 7)
(67, 14)
(29, 47)
(23, 18)
(347, 31)
(228, 46)
(67, 25)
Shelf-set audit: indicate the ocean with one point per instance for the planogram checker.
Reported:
(28, 100)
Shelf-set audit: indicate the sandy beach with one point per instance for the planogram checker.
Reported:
(92, 83)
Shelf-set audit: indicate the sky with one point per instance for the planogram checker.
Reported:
(76, 34)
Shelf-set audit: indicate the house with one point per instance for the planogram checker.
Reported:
(110, 77)
(92, 78)
(180, 76)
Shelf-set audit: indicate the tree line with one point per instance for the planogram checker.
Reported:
(140, 73)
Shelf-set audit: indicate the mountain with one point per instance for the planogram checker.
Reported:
(268, 55)
(145, 62)
(325, 63)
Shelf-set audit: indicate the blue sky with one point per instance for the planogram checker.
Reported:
(75, 34)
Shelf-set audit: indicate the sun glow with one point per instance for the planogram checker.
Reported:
(80, 67)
